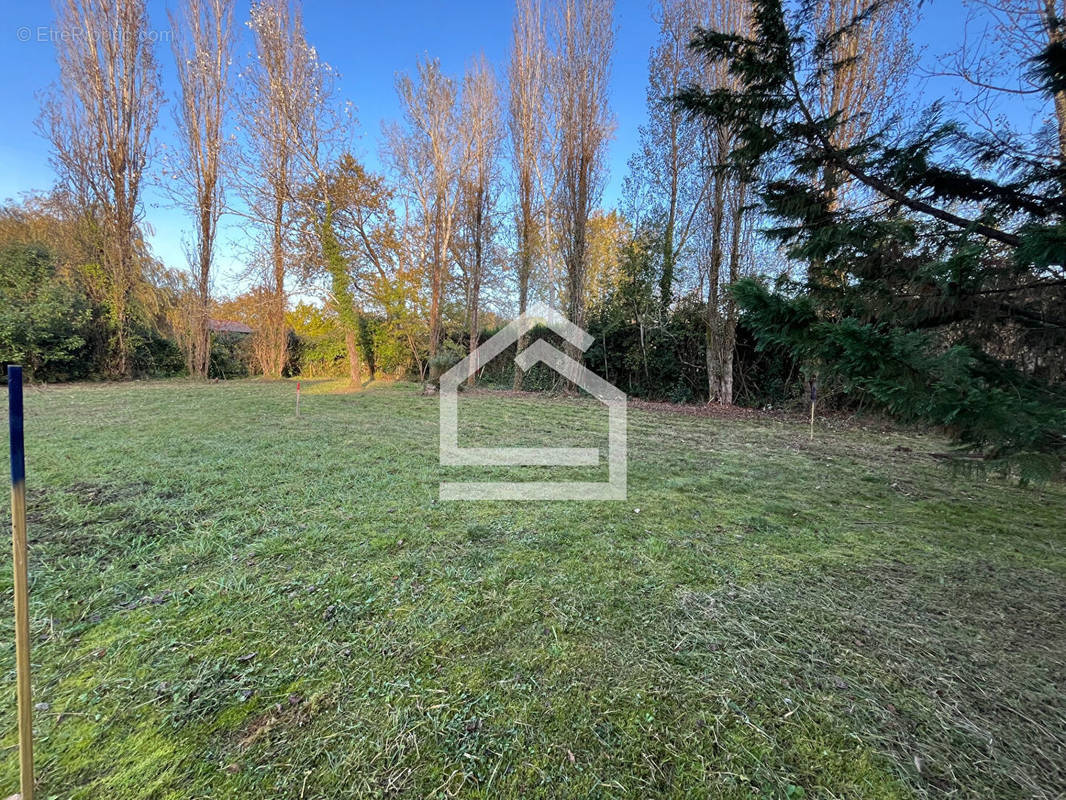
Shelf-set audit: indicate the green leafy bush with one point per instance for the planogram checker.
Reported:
(43, 321)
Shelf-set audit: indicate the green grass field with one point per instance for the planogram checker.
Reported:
(232, 602)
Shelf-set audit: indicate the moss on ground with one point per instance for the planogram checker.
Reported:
(229, 601)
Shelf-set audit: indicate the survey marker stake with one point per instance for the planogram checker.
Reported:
(22, 612)
(814, 399)
(297, 398)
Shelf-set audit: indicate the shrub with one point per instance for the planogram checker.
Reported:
(155, 356)
(231, 356)
(43, 322)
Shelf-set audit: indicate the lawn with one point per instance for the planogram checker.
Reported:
(229, 601)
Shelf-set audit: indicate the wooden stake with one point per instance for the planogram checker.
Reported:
(22, 611)
(814, 399)
(297, 398)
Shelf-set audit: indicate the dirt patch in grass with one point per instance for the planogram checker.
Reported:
(209, 685)
(294, 711)
(955, 674)
(97, 494)
(97, 520)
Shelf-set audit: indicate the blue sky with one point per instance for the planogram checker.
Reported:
(368, 43)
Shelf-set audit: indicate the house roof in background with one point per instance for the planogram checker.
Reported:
(227, 326)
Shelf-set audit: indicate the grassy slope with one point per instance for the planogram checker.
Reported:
(232, 602)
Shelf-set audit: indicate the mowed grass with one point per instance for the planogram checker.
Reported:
(232, 602)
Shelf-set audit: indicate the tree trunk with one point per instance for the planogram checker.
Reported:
(201, 344)
(728, 338)
(726, 397)
(436, 277)
(714, 274)
(576, 259)
(277, 338)
(355, 369)
(666, 282)
(473, 307)
(523, 300)
(716, 360)
(471, 379)
(1053, 23)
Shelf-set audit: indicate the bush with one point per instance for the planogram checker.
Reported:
(449, 354)
(43, 322)
(316, 343)
(231, 356)
(155, 356)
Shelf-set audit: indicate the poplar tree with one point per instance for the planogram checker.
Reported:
(100, 118)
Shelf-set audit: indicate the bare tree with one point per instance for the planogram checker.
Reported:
(270, 172)
(527, 125)
(731, 247)
(584, 38)
(727, 234)
(425, 156)
(100, 118)
(1001, 39)
(667, 179)
(866, 54)
(481, 129)
(203, 50)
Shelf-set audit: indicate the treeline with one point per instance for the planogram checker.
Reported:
(267, 137)
(789, 216)
(488, 200)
